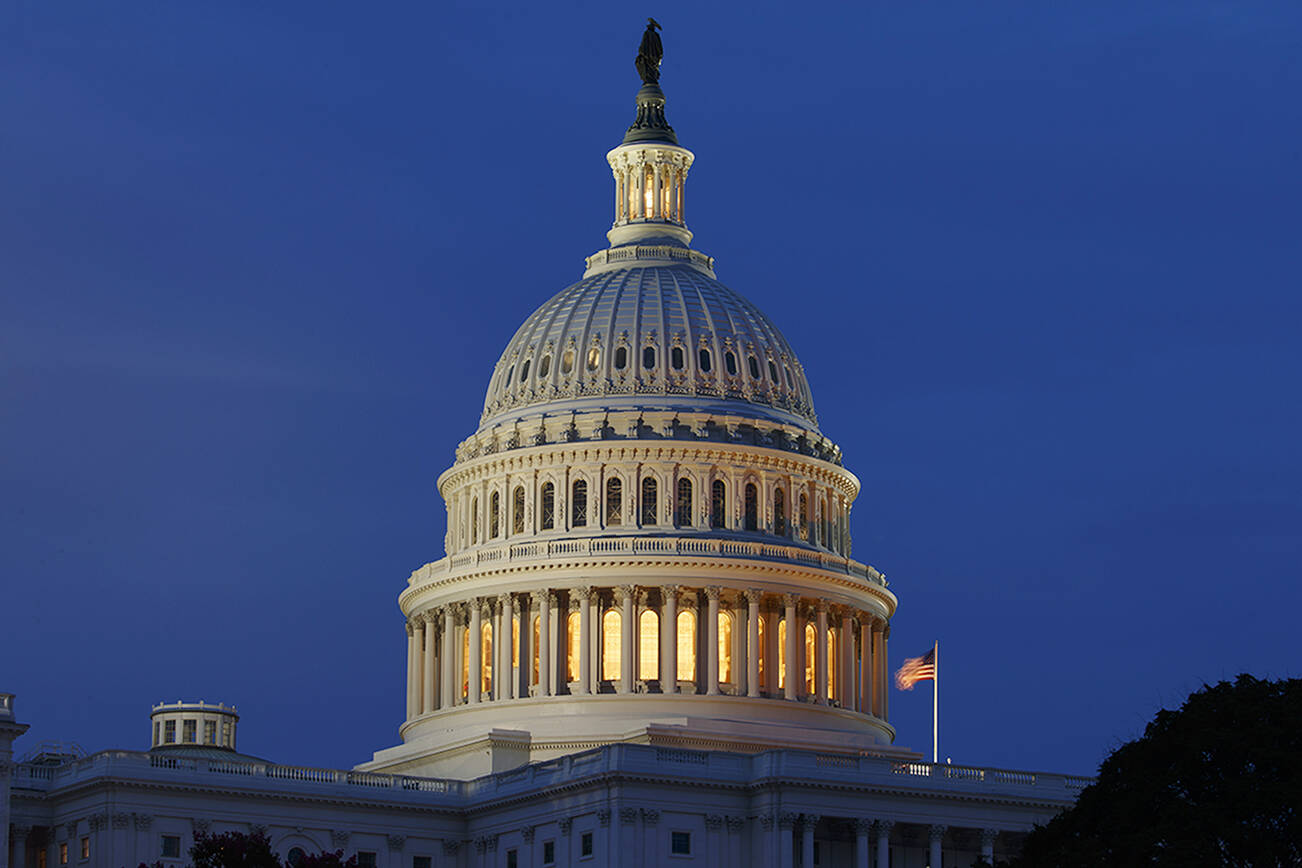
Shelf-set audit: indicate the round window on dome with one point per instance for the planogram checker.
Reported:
(730, 363)
(703, 357)
(621, 358)
(649, 357)
(753, 364)
(594, 358)
(676, 358)
(544, 366)
(567, 361)
(524, 371)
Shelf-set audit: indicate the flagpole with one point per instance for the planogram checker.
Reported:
(935, 703)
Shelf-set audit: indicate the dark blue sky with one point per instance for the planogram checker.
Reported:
(257, 260)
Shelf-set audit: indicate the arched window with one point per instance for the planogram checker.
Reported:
(683, 507)
(594, 358)
(611, 639)
(725, 647)
(648, 193)
(811, 658)
(687, 645)
(752, 507)
(486, 657)
(547, 520)
(791, 383)
(524, 371)
(763, 650)
(506, 381)
(614, 501)
(833, 663)
(517, 510)
(676, 358)
(649, 498)
(544, 366)
(515, 643)
(703, 360)
(567, 361)
(474, 521)
(826, 528)
(773, 373)
(782, 653)
(621, 358)
(572, 647)
(803, 516)
(730, 363)
(295, 857)
(648, 357)
(494, 515)
(779, 512)
(579, 503)
(533, 652)
(754, 367)
(648, 646)
(465, 663)
(718, 504)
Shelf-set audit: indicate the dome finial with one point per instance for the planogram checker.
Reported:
(650, 124)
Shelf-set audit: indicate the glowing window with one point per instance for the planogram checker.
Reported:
(811, 657)
(610, 645)
(515, 642)
(676, 358)
(752, 507)
(753, 364)
(648, 357)
(686, 645)
(544, 366)
(494, 518)
(725, 647)
(780, 512)
(648, 646)
(567, 361)
(683, 507)
(718, 504)
(537, 632)
(648, 500)
(832, 668)
(782, 653)
(763, 649)
(572, 647)
(730, 363)
(579, 503)
(189, 731)
(547, 520)
(517, 510)
(524, 371)
(486, 657)
(465, 663)
(648, 192)
(621, 358)
(594, 358)
(614, 501)
(703, 359)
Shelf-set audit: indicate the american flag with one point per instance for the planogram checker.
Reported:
(916, 669)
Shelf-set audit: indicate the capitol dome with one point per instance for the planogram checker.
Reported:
(648, 536)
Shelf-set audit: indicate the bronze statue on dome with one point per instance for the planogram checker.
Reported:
(650, 53)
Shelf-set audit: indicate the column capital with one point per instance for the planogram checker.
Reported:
(539, 598)
(936, 831)
(713, 821)
(625, 592)
(863, 825)
(787, 819)
(411, 627)
(430, 617)
(712, 593)
(810, 820)
(988, 837)
(582, 594)
(790, 600)
(670, 592)
(754, 596)
(735, 823)
(504, 601)
(822, 606)
(884, 827)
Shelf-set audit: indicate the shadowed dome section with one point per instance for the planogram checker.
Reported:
(658, 337)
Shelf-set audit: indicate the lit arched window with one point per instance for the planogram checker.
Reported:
(687, 645)
(803, 516)
(465, 663)
(725, 647)
(547, 520)
(833, 663)
(515, 642)
(752, 507)
(572, 647)
(537, 632)
(567, 361)
(779, 512)
(648, 646)
(494, 518)
(811, 658)
(649, 497)
(718, 504)
(594, 358)
(614, 501)
(517, 510)
(579, 503)
(610, 645)
(486, 657)
(782, 653)
(648, 193)
(763, 649)
(683, 507)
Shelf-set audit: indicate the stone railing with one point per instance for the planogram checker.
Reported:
(633, 546)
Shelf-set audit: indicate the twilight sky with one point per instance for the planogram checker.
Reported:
(257, 260)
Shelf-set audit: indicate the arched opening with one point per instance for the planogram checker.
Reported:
(648, 357)
(725, 647)
(621, 358)
(763, 653)
(754, 367)
(524, 371)
(547, 519)
(703, 360)
(779, 512)
(517, 510)
(486, 658)
(730, 363)
(533, 651)
(683, 504)
(804, 517)
(494, 515)
(614, 501)
(752, 507)
(648, 193)
(567, 361)
(648, 646)
(544, 366)
(611, 639)
(833, 662)
(515, 643)
(687, 645)
(649, 497)
(811, 658)
(572, 647)
(676, 358)
(594, 358)
(782, 653)
(718, 503)
(465, 664)
(579, 503)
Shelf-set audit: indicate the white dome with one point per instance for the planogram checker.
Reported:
(660, 336)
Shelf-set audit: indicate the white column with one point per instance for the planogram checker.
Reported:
(753, 649)
(884, 842)
(512, 650)
(429, 698)
(789, 687)
(866, 703)
(628, 634)
(669, 640)
(475, 644)
(808, 822)
(934, 837)
(879, 683)
(544, 643)
(820, 655)
(657, 197)
(712, 642)
(845, 689)
(413, 707)
(886, 675)
(862, 854)
(988, 844)
(502, 648)
(449, 674)
(785, 843)
(584, 596)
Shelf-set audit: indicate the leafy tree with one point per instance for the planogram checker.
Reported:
(326, 860)
(233, 850)
(1216, 783)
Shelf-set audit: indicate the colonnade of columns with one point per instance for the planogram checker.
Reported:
(650, 191)
(706, 640)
